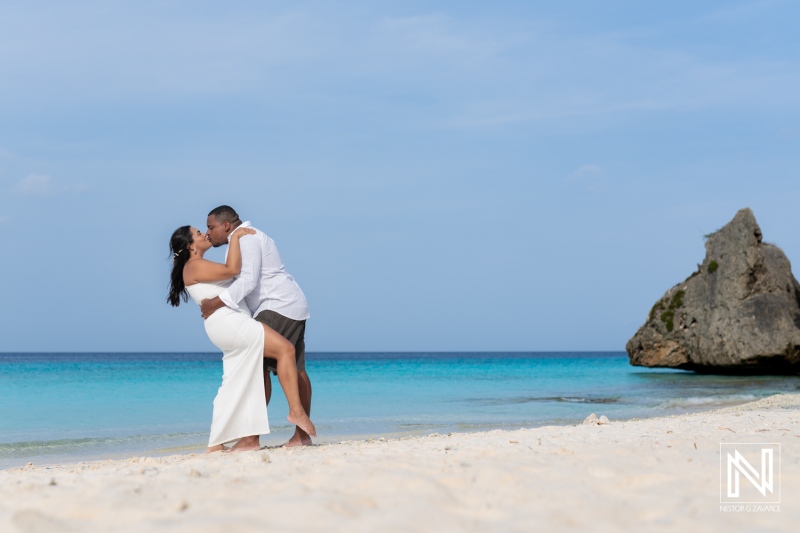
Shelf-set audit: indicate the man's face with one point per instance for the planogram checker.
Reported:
(218, 231)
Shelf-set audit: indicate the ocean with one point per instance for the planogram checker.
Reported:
(65, 407)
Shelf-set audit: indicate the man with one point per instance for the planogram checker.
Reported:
(273, 297)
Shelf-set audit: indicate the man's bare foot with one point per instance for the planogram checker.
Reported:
(246, 444)
(298, 439)
(217, 448)
(302, 421)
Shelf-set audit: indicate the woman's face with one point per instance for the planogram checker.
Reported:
(200, 242)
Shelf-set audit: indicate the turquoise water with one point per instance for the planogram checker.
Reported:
(66, 407)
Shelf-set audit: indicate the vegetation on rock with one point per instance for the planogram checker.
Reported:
(668, 316)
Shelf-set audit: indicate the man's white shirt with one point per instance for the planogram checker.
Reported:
(263, 283)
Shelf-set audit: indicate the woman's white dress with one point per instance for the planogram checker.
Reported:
(240, 407)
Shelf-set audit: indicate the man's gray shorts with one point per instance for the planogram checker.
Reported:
(293, 331)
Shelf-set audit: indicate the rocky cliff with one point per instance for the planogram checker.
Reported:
(738, 313)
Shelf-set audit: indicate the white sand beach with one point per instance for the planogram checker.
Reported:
(660, 474)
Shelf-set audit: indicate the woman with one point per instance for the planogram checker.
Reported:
(240, 411)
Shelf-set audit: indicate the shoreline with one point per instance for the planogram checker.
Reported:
(272, 440)
(662, 473)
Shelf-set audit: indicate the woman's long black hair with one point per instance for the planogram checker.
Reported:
(179, 252)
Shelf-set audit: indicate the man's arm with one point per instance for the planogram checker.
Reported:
(209, 306)
(249, 275)
(244, 284)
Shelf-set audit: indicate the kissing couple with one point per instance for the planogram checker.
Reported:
(255, 313)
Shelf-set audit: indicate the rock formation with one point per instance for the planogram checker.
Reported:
(738, 313)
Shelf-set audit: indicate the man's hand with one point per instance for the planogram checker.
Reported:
(209, 306)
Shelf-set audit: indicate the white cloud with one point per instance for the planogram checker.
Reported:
(35, 185)
(589, 177)
(42, 185)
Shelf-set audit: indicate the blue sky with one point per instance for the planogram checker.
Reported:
(437, 175)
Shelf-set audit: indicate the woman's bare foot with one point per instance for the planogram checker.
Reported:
(217, 448)
(246, 444)
(302, 421)
(298, 439)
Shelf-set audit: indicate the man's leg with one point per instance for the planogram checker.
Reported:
(294, 332)
(268, 387)
(300, 437)
(305, 390)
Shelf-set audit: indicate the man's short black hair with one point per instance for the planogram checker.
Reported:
(224, 213)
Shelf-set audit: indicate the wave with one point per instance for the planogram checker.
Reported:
(531, 399)
(700, 402)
